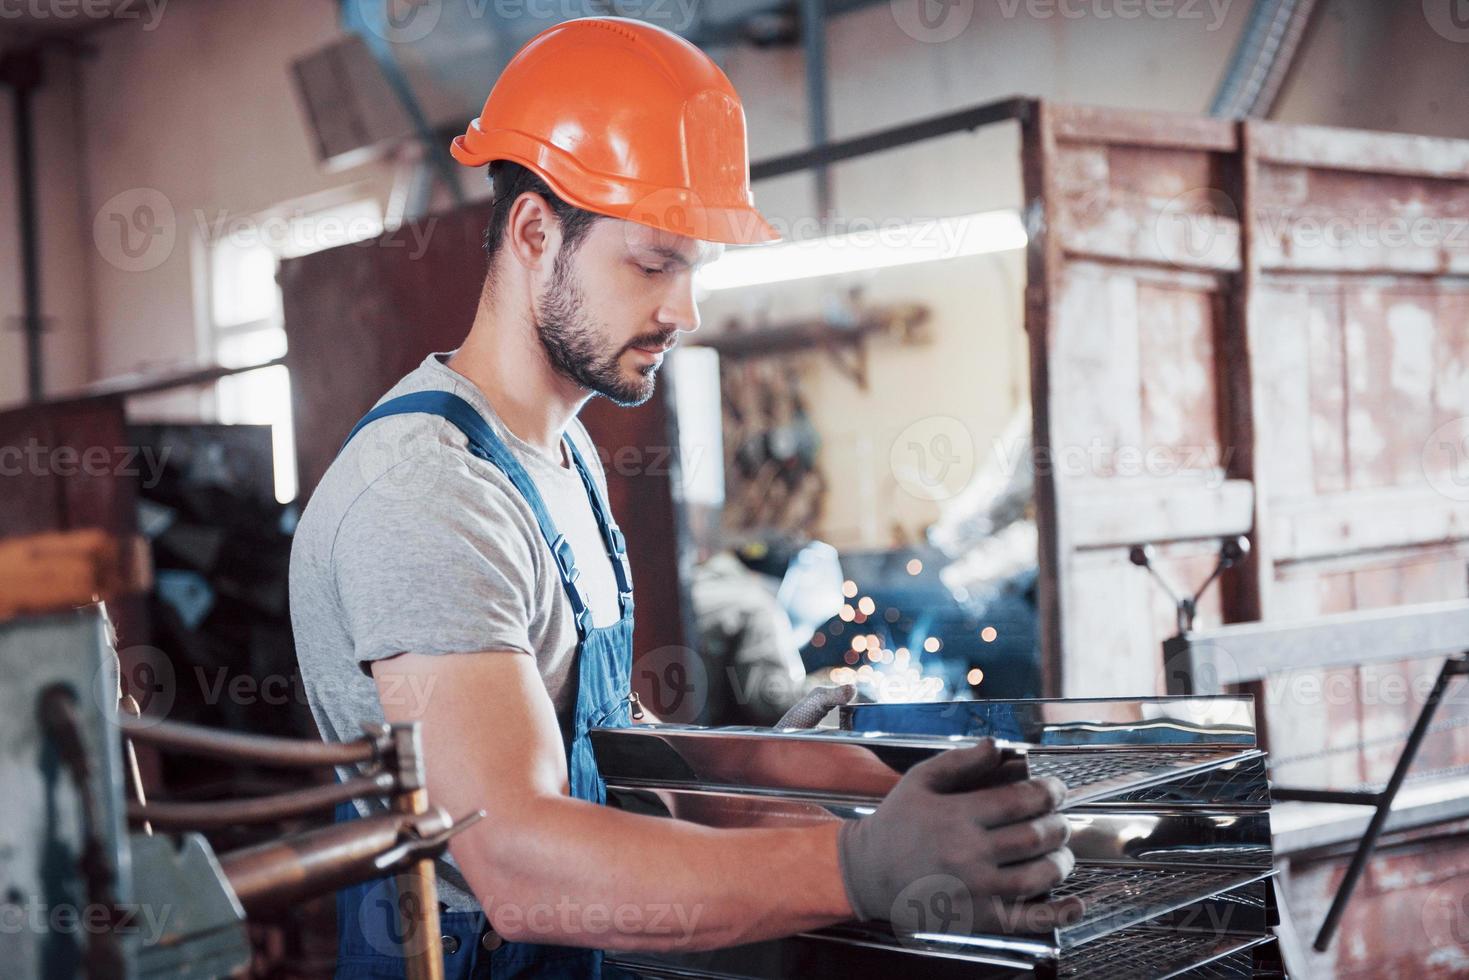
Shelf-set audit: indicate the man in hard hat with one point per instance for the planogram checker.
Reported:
(458, 566)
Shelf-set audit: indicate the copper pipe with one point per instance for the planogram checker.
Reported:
(418, 890)
(281, 872)
(259, 749)
(260, 809)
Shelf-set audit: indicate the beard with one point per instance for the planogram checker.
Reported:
(579, 351)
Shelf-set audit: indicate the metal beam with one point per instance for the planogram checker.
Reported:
(1017, 109)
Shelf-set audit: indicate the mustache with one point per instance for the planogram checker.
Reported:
(653, 341)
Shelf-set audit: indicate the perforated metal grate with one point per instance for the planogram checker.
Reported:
(1134, 954)
(1240, 785)
(1117, 896)
(1077, 769)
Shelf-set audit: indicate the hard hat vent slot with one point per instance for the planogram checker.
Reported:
(617, 29)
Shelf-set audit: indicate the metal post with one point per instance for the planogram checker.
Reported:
(21, 70)
(813, 35)
(1453, 666)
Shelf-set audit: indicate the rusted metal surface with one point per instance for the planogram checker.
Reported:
(1408, 918)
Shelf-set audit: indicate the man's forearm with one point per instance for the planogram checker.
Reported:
(568, 872)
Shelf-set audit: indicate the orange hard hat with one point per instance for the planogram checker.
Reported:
(627, 120)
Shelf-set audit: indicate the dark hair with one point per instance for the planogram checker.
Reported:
(508, 181)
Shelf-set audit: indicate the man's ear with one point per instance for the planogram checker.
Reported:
(532, 232)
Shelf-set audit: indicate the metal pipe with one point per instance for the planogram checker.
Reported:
(21, 70)
(1453, 667)
(260, 809)
(813, 38)
(258, 749)
(279, 873)
(418, 892)
(896, 136)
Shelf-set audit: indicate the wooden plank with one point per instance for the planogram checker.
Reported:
(1247, 651)
(1328, 525)
(1350, 149)
(1128, 126)
(1163, 233)
(1038, 156)
(65, 569)
(1120, 513)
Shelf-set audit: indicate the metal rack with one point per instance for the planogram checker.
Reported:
(1168, 806)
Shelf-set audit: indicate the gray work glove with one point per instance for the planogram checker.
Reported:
(941, 855)
(806, 712)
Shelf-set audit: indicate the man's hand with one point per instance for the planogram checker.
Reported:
(942, 856)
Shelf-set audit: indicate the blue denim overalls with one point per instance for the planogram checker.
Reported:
(368, 945)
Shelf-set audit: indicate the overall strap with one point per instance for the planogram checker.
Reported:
(485, 444)
(611, 534)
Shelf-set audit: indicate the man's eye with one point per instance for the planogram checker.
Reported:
(651, 270)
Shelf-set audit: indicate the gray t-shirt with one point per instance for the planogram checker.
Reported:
(410, 543)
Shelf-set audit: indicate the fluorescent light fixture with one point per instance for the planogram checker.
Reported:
(876, 248)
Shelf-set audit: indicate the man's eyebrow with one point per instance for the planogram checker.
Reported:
(674, 255)
(667, 252)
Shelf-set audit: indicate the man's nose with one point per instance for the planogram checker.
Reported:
(681, 310)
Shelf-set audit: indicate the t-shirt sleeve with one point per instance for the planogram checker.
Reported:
(448, 571)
